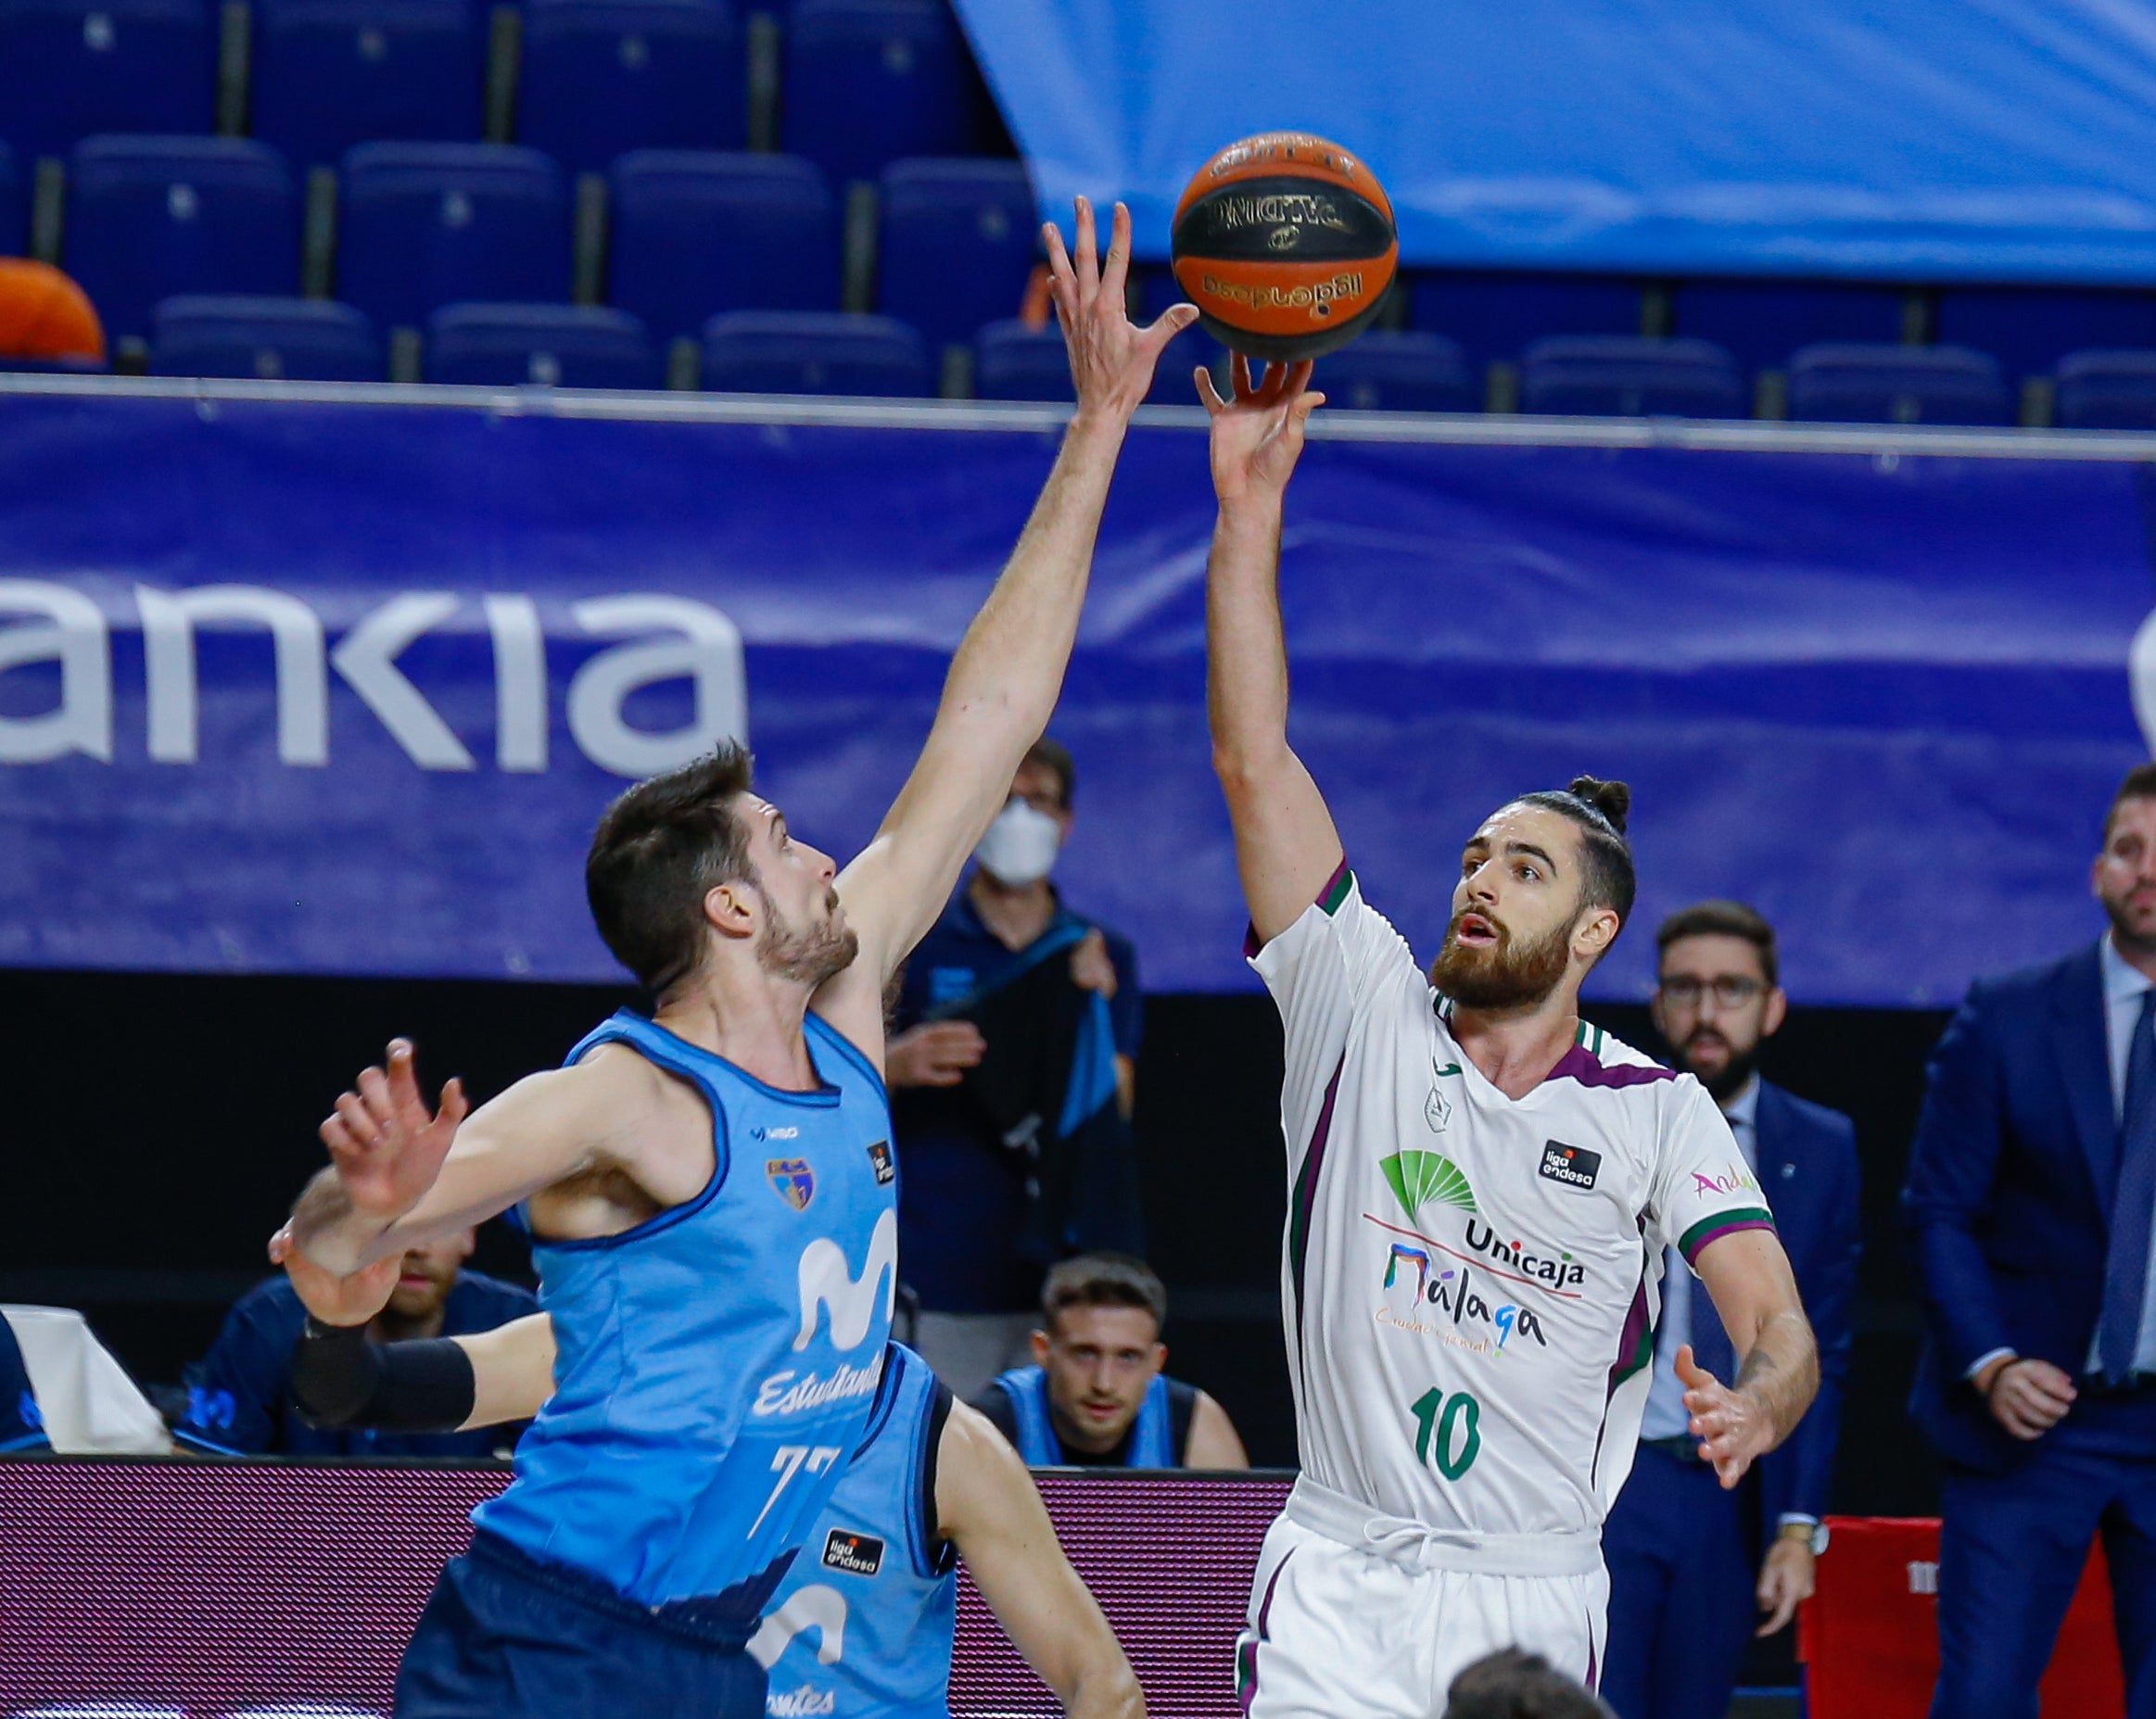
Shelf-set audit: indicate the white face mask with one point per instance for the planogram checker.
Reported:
(1020, 846)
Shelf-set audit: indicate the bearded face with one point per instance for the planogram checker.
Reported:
(1483, 965)
(806, 954)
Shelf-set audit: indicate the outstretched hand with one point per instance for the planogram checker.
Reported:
(386, 1146)
(1258, 432)
(1111, 358)
(335, 1300)
(1733, 1429)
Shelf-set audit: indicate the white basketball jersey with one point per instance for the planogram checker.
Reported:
(1470, 1281)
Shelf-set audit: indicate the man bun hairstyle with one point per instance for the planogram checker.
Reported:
(1600, 809)
(1103, 1280)
(659, 849)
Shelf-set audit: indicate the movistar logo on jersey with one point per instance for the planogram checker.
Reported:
(788, 1393)
(818, 1607)
(1558, 1271)
(828, 1284)
(1420, 1179)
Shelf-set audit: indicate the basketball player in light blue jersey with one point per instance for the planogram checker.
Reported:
(710, 1192)
(862, 1627)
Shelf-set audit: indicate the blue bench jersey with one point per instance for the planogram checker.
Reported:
(1151, 1440)
(716, 1364)
(862, 1627)
(21, 1426)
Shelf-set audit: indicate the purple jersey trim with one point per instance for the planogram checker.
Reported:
(1329, 898)
(1578, 1065)
(1713, 1229)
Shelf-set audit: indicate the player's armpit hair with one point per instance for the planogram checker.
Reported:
(339, 1379)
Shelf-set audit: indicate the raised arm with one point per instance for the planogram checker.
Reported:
(1748, 1276)
(1285, 845)
(991, 1511)
(1008, 670)
(400, 1173)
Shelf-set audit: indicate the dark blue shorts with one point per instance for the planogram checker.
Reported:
(506, 1637)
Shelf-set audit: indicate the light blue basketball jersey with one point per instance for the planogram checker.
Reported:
(862, 1627)
(1152, 1434)
(715, 1365)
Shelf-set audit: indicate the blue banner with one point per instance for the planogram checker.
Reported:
(294, 686)
(1930, 140)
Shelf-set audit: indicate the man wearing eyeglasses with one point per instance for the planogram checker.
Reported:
(1682, 1552)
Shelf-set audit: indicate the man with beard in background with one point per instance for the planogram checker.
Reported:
(1682, 1551)
(1481, 1190)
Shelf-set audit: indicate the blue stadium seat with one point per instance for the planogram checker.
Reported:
(2029, 329)
(809, 352)
(294, 339)
(1387, 371)
(149, 217)
(332, 73)
(869, 82)
(1629, 376)
(430, 225)
(1014, 362)
(1497, 316)
(556, 345)
(1851, 384)
(14, 216)
(956, 246)
(2103, 390)
(697, 234)
(71, 69)
(1759, 323)
(604, 77)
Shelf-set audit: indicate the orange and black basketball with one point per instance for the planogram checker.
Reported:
(1286, 245)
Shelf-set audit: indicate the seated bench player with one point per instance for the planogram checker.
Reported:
(239, 1397)
(1095, 1395)
(861, 1626)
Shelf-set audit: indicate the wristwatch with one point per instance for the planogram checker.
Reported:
(1814, 1535)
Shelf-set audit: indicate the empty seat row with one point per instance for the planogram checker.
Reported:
(1495, 317)
(863, 81)
(421, 225)
(836, 354)
(565, 346)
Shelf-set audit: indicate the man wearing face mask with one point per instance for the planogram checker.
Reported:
(1689, 1562)
(1011, 1085)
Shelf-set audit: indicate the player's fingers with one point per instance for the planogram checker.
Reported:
(1299, 376)
(1087, 256)
(336, 1137)
(455, 1105)
(1240, 373)
(1167, 325)
(1116, 270)
(361, 1129)
(1208, 396)
(1689, 1370)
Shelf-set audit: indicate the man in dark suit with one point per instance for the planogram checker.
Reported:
(2032, 1189)
(1682, 1553)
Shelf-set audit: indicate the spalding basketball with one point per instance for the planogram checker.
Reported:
(44, 315)
(1286, 245)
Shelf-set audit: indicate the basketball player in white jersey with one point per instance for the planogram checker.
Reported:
(1481, 1187)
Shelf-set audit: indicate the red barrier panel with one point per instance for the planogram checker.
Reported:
(1869, 1638)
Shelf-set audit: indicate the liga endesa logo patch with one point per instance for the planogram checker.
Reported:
(856, 1554)
(1576, 1166)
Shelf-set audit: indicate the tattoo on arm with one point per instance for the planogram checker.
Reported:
(1781, 1370)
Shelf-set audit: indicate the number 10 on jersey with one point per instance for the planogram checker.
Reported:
(1447, 1430)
